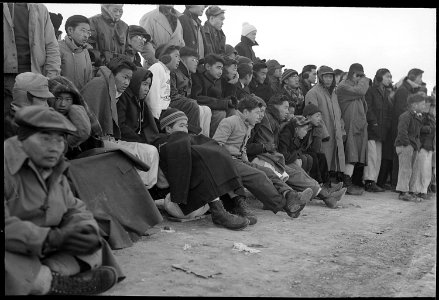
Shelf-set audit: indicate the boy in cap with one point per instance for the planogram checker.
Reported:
(291, 88)
(76, 63)
(137, 38)
(52, 242)
(407, 145)
(108, 34)
(244, 60)
(351, 98)
(181, 88)
(199, 172)
(193, 32)
(29, 89)
(245, 73)
(214, 36)
(231, 52)
(248, 40)
(274, 75)
(308, 78)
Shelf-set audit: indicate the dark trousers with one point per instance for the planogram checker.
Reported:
(385, 171)
(8, 85)
(256, 180)
(395, 170)
(319, 170)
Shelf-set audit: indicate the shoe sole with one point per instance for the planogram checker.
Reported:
(237, 228)
(344, 190)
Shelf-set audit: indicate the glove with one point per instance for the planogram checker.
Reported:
(269, 148)
(76, 240)
(234, 102)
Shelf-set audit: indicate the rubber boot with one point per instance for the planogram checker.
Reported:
(92, 282)
(296, 201)
(241, 208)
(351, 188)
(221, 217)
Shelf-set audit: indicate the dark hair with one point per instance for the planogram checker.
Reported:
(306, 70)
(258, 66)
(244, 70)
(187, 51)
(338, 72)
(413, 73)
(212, 59)
(249, 103)
(165, 49)
(278, 99)
(379, 75)
(116, 64)
(75, 20)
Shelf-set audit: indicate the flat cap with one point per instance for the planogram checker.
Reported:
(43, 118)
(214, 10)
(244, 60)
(273, 64)
(356, 68)
(325, 70)
(34, 83)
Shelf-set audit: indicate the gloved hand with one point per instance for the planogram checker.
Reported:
(269, 148)
(234, 102)
(76, 240)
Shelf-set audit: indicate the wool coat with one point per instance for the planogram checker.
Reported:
(295, 98)
(135, 120)
(263, 90)
(245, 48)
(207, 91)
(379, 113)
(409, 130)
(32, 206)
(290, 145)
(351, 98)
(215, 40)
(198, 169)
(328, 105)
(108, 38)
(45, 57)
(192, 31)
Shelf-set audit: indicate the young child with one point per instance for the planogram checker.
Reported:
(422, 168)
(408, 143)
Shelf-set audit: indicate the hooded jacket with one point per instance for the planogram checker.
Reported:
(108, 38)
(192, 31)
(45, 58)
(215, 40)
(289, 143)
(245, 48)
(135, 120)
(75, 62)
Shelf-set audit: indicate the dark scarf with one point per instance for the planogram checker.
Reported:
(170, 14)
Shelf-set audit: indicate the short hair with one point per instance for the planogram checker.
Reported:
(278, 99)
(249, 103)
(116, 64)
(244, 70)
(379, 75)
(75, 20)
(338, 72)
(413, 73)
(212, 59)
(188, 51)
(258, 66)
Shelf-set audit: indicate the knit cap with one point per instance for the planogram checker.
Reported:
(247, 28)
(287, 73)
(170, 116)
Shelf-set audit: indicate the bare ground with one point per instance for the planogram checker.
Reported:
(370, 246)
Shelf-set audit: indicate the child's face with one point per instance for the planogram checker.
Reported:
(180, 125)
(144, 88)
(253, 116)
(418, 106)
(231, 71)
(216, 70)
(315, 119)
(62, 103)
(301, 131)
(80, 33)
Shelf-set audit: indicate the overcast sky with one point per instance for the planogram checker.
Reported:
(395, 38)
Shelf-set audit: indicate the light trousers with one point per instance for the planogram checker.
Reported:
(205, 117)
(406, 159)
(422, 171)
(374, 150)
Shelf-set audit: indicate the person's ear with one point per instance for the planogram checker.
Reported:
(165, 59)
(70, 30)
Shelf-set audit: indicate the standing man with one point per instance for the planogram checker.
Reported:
(248, 40)
(52, 242)
(193, 32)
(324, 97)
(137, 38)
(214, 36)
(351, 98)
(274, 75)
(29, 45)
(308, 78)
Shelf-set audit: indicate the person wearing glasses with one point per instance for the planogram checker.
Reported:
(76, 64)
(137, 38)
(351, 98)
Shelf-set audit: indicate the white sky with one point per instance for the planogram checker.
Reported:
(395, 38)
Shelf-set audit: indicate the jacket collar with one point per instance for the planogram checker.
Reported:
(273, 112)
(16, 158)
(248, 41)
(183, 68)
(209, 77)
(242, 118)
(75, 48)
(192, 16)
(413, 87)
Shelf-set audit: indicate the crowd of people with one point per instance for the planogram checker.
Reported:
(213, 122)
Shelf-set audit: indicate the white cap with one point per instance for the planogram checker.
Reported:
(247, 28)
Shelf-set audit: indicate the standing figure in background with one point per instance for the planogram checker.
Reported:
(193, 32)
(248, 40)
(308, 78)
(214, 35)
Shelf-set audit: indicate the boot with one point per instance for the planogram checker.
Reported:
(296, 202)
(351, 189)
(372, 187)
(332, 198)
(334, 188)
(221, 217)
(241, 208)
(405, 196)
(91, 282)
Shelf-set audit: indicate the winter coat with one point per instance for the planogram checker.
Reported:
(192, 31)
(379, 113)
(409, 130)
(428, 132)
(197, 168)
(304, 86)
(290, 145)
(78, 116)
(159, 95)
(351, 98)
(275, 84)
(331, 115)
(108, 38)
(183, 82)
(32, 206)
(45, 57)
(75, 62)
(263, 90)
(100, 95)
(312, 142)
(207, 91)
(135, 120)
(245, 48)
(215, 40)
(241, 91)
(269, 129)
(156, 25)
(295, 98)
(228, 89)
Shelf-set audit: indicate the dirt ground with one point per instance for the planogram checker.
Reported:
(370, 246)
